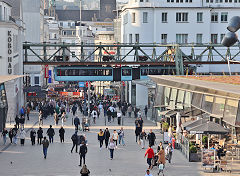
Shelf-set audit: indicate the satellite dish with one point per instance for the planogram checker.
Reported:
(234, 24)
(229, 39)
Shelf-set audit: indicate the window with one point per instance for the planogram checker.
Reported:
(133, 17)
(61, 23)
(214, 38)
(130, 38)
(221, 37)
(69, 24)
(181, 38)
(224, 17)
(199, 38)
(199, 17)
(214, 17)
(181, 17)
(164, 17)
(36, 80)
(137, 38)
(145, 17)
(55, 36)
(125, 19)
(164, 38)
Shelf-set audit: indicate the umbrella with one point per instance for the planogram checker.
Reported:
(209, 128)
(190, 124)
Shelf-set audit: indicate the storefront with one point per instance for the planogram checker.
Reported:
(198, 98)
(3, 106)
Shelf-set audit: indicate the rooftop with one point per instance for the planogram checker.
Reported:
(212, 85)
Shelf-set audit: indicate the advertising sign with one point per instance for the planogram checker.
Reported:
(208, 158)
(49, 76)
(81, 84)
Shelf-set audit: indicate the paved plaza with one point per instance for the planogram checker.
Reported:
(128, 160)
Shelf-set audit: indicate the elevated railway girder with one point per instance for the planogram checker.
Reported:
(180, 55)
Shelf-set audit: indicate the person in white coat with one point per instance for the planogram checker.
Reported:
(22, 136)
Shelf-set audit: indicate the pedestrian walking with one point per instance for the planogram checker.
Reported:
(121, 136)
(101, 138)
(137, 132)
(151, 138)
(142, 138)
(119, 117)
(146, 111)
(45, 144)
(28, 112)
(50, 133)
(63, 118)
(111, 147)
(129, 111)
(40, 118)
(94, 116)
(148, 173)
(150, 154)
(109, 115)
(74, 109)
(56, 118)
(169, 151)
(115, 137)
(84, 171)
(76, 123)
(61, 134)
(17, 121)
(4, 135)
(106, 136)
(10, 134)
(140, 122)
(22, 136)
(82, 152)
(15, 133)
(161, 156)
(159, 146)
(33, 136)
(39, 135)
(75, 141)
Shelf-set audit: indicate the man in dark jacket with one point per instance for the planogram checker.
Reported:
(106, 136)
(33, 136)
(82, 153)
(74, 109)
(39, 135)
(75, 141)
(151, 138)
(50, 133)
(61, 134)
(76, 122)
(45, 144)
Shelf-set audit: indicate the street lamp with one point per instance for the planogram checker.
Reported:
(231, 37)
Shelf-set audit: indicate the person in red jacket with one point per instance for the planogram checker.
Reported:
(150, 154)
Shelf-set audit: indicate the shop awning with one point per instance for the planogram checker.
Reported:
(209, 128)
(190, 124)
(6, 78)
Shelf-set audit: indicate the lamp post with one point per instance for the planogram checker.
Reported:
(231, 37)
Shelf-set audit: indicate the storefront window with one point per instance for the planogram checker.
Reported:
(180, 99)
(166, 96)
(197, 100)
(159, 98)
(230, 112)
(173, 98)
(207, 103)
(218, 106)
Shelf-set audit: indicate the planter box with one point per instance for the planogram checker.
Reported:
(194, 157)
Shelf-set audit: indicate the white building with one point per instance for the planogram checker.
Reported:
(11, 58)
(178, 21)
(33, 17)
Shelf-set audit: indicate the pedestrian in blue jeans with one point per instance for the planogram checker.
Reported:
(121, 136)
(111, 147)
(4, 135)
(45, 144)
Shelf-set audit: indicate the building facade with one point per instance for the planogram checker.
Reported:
(11, 58)
(178, 22)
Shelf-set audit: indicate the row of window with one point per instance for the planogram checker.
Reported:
(180, 1)
(183, 38)
(84, 72)
(222, 1)
(181, 17)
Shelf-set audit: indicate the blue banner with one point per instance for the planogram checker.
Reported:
(49, 76)
(81, 84)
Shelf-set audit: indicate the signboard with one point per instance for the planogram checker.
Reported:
(46, 69)
(166, 138)
(81, 84)
(10, 51)
(49, 76)
(208, 158)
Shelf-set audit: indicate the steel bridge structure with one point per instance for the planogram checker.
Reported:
(178, 55)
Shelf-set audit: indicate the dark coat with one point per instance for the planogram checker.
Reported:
(106, 134)
(83, 150)
(50, 132)
(61, 132)
(32, 135)
(40, 133)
